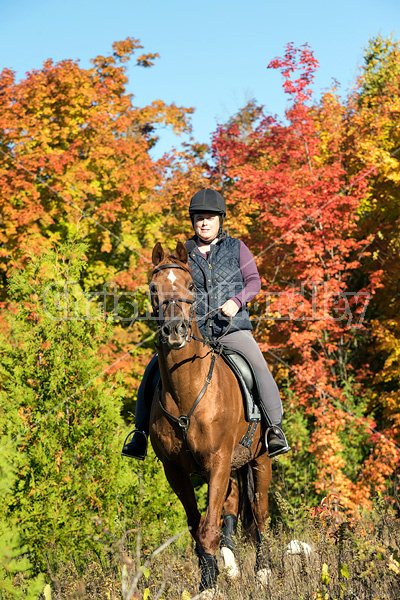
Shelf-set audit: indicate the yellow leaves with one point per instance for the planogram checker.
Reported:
(159, 112)
(393, 565)
(106, 245)
(387, 334)
(47, 592)
(147, 60)
(345, 572)
(325, 577)
(124, 49)
(321, 596)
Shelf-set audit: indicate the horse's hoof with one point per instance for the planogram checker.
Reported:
(264, 577)
(229, 562)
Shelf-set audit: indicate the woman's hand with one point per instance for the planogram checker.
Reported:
(230, 308)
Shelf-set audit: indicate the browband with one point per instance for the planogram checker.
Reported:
(169, 266)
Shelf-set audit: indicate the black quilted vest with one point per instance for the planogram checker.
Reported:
(217, 279)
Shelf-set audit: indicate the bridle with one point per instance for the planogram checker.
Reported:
(159, 310)
(165, 304)
(183, 420)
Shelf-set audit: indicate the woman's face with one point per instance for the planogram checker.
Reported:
(206, 226)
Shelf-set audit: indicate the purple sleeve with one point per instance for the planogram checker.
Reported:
(251, 277)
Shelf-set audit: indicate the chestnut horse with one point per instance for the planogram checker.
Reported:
(197, 420)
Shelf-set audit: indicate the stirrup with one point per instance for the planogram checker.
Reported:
(284, 447)
(129, 450)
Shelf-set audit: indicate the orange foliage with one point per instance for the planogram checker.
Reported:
(300, 203)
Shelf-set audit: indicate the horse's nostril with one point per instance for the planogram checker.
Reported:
(165, 330)
(178, 327)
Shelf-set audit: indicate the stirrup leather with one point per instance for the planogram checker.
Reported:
(284, 448)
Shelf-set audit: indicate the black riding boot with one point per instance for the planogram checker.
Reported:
(276, 441)
(137, 446)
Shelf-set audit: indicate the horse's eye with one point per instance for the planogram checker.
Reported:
(191, 286)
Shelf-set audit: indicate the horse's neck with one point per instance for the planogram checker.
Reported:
(183, 373)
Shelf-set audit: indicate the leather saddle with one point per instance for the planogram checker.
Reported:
(240, 366)
(247, 379)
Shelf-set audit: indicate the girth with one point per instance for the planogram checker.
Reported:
(248, 382)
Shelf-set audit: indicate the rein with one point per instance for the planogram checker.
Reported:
(184, 420)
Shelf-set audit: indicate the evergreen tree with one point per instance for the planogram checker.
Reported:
(13, 555)
(60, 410)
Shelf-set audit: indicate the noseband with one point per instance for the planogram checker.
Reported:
(160, 309)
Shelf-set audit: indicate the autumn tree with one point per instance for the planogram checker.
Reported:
(74, 157)
(300, 205)
(373, 144)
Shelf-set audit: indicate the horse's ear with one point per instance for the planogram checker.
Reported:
(158, 254)
(181, 252)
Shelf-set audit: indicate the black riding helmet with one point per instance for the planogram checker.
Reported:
(207, 200)
(210, 201)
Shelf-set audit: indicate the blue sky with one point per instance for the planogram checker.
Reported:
(214, 54)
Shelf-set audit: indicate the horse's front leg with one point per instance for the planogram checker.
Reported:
(209, 531)
(181, 484)
(218, 481)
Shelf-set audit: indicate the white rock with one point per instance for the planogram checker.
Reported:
(210, 594)
(297, 547)
(264, 577)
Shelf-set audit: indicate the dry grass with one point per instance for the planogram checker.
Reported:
(351, 559)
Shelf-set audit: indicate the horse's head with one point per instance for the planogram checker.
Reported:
(172, 294)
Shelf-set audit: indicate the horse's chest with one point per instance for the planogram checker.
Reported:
(165, 439)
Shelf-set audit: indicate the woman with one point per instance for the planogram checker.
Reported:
(226, 278)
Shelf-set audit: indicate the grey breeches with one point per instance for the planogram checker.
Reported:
(244, 341)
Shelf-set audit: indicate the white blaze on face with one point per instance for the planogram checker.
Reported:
(171, 277)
